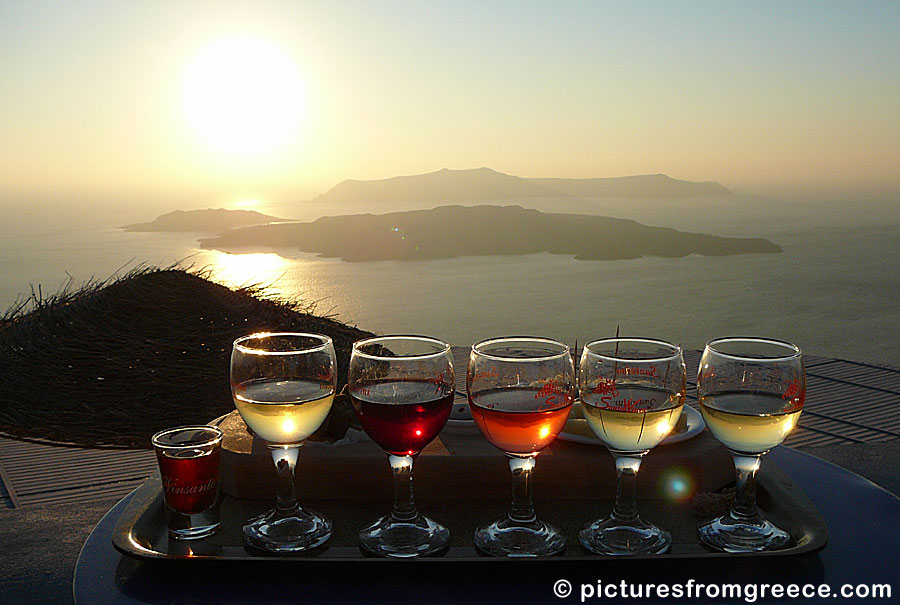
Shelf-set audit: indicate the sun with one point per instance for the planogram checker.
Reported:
(243, 96)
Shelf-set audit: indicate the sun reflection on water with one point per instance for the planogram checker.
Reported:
(238, 270)
(248, 205)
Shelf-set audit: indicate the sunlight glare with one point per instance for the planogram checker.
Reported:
(665, 426)
(247, 205)
(243, 96)
(238, 270)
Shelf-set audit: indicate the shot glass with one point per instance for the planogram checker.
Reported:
(188, 459)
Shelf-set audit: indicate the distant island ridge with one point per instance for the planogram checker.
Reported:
(452, 231)
(484, 184)
(209, 220)
(443, 214)
(446, 187)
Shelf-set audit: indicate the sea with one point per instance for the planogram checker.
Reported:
(834, 290)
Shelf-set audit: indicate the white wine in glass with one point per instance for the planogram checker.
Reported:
(638, 426)
(283, 411)
(749, 422)
(632, 393)
(751, 393)
(283, 386)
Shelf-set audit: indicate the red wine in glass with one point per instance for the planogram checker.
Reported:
(190, 479)
(188, 458)
(402, 390)
(402, 416)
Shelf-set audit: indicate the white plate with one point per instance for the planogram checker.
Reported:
(578, 431)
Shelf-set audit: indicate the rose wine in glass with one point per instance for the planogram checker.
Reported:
(632, 393)
(751, 393)
(402, 389)
(521, 390)
(283, 387)
(508, 420)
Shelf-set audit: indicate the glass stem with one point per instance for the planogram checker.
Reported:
(625, 507)
(521, 509)
(404, 503)
(285, 458)
(744, 508)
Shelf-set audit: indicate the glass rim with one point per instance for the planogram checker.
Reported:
(239, 345)
(444, 347)
(218, 435)
(795, 350)
(676, 349)
(525, 339)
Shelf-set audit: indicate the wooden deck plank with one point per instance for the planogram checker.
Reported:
(84, 494)
(45, 484)
(11, 499)
(39, 473)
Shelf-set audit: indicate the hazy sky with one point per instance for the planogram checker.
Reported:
(217, 101)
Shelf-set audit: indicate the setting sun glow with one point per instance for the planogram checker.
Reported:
(243, 96)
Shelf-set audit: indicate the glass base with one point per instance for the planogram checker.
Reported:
(507, 538)
(193, 526)
(730, 535)
(389, 537)
(613, 537)
(301, 530)
(193, 533)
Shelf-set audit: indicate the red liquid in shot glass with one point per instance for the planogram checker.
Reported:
(190, 479)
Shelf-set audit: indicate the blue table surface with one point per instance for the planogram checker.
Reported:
(863, 548)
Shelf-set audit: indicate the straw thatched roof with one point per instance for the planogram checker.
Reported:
(110, 363)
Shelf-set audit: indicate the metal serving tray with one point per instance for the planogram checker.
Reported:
(141, 530)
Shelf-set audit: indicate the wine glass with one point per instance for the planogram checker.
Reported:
(751, 393)
(632, 393)
(402, 389)
(520, 392)
(283, 386)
